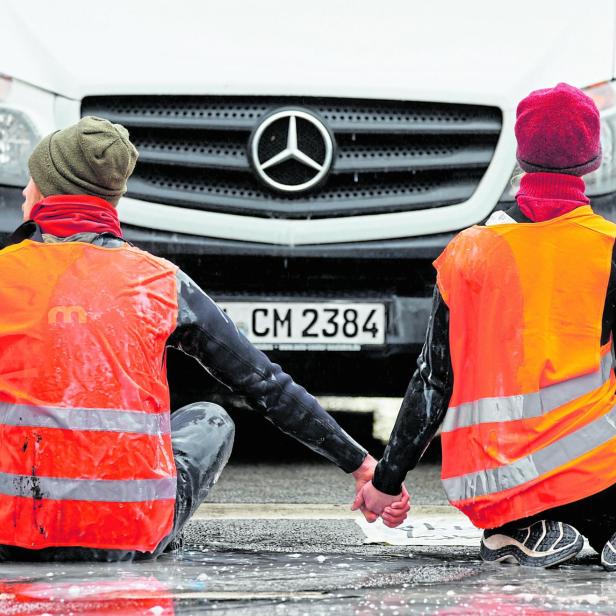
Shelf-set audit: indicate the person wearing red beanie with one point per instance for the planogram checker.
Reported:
(557, 130)
(516, 369)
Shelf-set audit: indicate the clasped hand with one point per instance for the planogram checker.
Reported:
(373, 503)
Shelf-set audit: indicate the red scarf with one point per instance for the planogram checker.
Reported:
(65, 215)
(543, 196)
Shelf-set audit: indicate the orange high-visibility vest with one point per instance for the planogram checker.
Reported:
(85, 444)
(531, 423)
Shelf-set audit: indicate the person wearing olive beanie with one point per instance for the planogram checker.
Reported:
(95, 465)
(78, 175)
(93, 157)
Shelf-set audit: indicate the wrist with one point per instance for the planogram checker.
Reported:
(365, 469)
(385, 481)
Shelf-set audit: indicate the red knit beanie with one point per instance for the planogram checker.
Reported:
(558, 131)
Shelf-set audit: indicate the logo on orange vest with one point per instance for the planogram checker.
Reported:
(66, 315)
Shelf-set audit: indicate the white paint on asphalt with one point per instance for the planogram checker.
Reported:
(273, 511)
(427, 525)
(429, 529)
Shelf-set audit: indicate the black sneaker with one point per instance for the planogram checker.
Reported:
(541, 544)
(608, 554)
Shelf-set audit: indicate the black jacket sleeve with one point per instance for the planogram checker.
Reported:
(204, 332)
(424, 404)
(609, 309)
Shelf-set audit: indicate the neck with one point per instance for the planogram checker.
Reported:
(543, 196)
(66, 215)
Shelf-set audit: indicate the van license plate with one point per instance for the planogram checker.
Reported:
(310, 325)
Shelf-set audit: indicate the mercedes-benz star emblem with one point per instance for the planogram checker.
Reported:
(291, 150)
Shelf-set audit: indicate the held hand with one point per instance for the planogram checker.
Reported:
(362, 476)
(395, 514)
(392, 508)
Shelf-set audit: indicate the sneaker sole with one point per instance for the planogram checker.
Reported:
(608, 566)
(529, 558)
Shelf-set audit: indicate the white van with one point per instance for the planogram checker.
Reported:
(305, 162)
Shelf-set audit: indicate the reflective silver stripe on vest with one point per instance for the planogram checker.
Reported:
(107, 490)
(84, 419)
(526, 406)
(531, 467)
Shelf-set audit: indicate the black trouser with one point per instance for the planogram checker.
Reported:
(594, 517)
(202, 438)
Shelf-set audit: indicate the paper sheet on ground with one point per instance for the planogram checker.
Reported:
(427, 529)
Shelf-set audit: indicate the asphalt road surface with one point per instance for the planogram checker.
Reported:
(280, 539)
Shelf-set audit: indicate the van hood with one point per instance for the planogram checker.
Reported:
(477, 52)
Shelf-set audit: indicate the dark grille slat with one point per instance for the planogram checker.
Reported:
(348, 160)
(230, 124)
(199, 149)
(344, 199)
(187, 158)
(390, 155)
(187, 112)
(383, 159)
(417, 118)
(343, 126)
(215, 113)
(410, 128)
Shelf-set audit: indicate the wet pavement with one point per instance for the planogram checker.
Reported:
(240, 582)
(276, 562)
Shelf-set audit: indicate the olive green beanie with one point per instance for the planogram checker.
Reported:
(93, 157)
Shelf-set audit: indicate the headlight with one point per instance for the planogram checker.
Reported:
(17, 140)
(603, 180)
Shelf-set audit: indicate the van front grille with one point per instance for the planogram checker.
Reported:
(391, 156)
